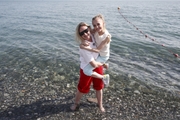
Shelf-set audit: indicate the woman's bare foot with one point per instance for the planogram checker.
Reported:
(74, 106)
(102, 109)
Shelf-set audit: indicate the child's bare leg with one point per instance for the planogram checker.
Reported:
(105, 78)
(97, 75)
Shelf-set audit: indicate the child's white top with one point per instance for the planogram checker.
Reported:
(105, 51)
(87, 56)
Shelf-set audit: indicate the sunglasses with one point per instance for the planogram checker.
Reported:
(84, 31)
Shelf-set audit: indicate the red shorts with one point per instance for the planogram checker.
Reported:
(85, 81)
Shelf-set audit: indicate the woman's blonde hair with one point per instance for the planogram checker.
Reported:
(78, 38)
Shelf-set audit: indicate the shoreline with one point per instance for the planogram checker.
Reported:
(47, 93)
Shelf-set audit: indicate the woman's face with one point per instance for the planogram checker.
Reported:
(84, 32)
(98, 25)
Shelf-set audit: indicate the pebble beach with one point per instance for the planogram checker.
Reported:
(45, 91)
(39, 60)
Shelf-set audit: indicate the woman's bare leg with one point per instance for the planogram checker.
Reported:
(99, 95)
(77, 100)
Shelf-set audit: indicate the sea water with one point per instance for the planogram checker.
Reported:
(44, 30)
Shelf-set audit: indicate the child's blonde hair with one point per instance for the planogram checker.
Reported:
(101, 17)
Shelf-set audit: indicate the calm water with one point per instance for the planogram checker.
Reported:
(42, 31)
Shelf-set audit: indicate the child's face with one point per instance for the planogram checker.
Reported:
(98, 25)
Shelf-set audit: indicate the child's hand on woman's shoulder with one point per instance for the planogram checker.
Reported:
(84, 44)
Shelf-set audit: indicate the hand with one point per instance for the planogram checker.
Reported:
(106, 65)
(85, 43)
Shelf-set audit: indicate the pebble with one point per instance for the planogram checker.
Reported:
(68, 85)
(50, 94)
(137, 92)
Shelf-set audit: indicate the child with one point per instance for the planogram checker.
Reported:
(102, 38)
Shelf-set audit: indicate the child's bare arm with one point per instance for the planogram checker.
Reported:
(104, 42)
(85, 46)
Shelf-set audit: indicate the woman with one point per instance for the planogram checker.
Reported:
(103, 39)
(88, 57)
